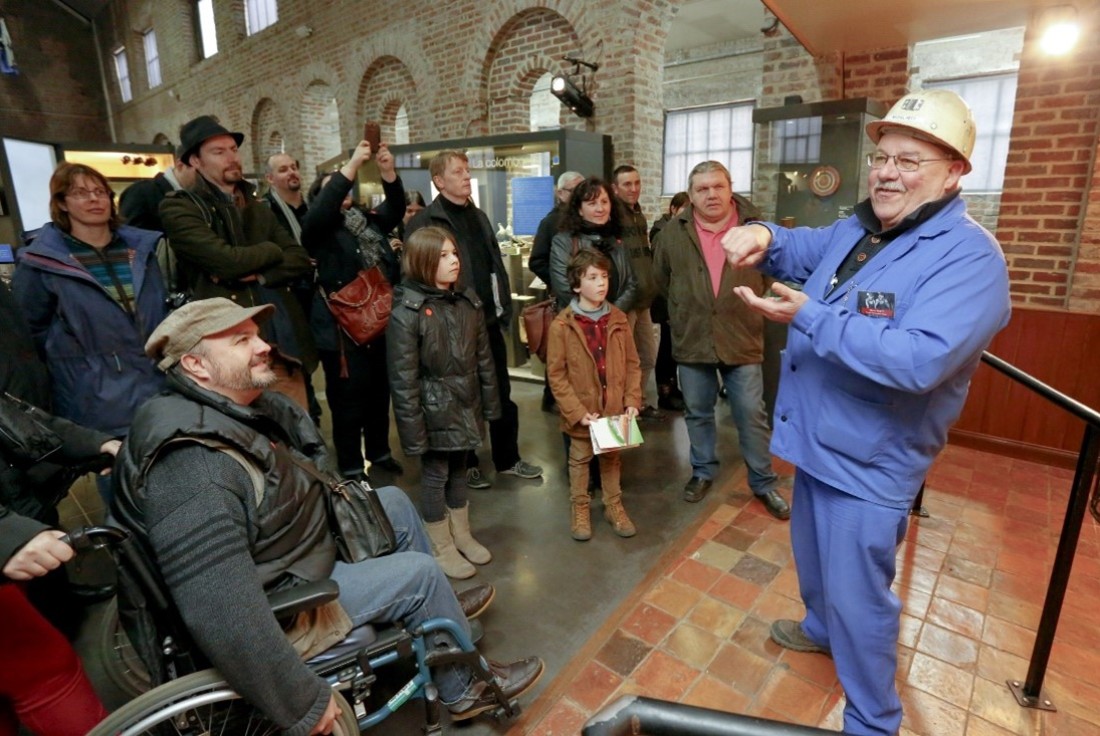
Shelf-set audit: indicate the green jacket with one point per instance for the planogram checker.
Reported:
(637, 244)
(706, 328)
(219, 243)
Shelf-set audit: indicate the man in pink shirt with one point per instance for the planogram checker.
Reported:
(714, 334)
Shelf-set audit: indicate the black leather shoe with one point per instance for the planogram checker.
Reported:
(475, 600)
(389, 465)
(514, 679)
(775, 505)
(696, 488)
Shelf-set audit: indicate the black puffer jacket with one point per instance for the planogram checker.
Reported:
(441, 369)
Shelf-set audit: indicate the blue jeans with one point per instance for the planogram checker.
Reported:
(745, 393)
(407, 586)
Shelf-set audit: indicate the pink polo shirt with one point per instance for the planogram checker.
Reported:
(710, 242)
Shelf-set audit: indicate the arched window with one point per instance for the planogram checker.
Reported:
(401, 126)
(545, 108)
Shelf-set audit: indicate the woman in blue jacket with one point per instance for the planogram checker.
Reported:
(91, 293)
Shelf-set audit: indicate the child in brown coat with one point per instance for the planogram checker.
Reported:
(593, 368)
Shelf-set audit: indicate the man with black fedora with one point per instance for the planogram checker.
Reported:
(228, 244)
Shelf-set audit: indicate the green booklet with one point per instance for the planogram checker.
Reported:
(614, 433)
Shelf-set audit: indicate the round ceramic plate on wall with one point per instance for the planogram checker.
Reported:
(824, 180)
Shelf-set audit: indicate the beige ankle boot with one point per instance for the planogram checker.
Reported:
(470, 548)
(581, 524)
(446, 554)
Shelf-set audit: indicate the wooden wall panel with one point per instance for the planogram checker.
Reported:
(1060, 348)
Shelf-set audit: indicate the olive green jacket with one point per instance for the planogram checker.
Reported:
(707, 329)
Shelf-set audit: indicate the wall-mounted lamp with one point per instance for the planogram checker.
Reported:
(1058, 29)
(573, 97)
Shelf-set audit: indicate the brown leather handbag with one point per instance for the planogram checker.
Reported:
(536, 322)
(362, 307)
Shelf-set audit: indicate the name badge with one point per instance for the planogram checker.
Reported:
(876, 303)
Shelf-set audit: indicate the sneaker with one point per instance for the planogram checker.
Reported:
(522, 470)
(514, 680)
(651, 414)
(474, 479)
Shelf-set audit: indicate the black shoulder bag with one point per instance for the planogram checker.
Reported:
(356, 518)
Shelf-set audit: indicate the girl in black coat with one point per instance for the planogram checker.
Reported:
(444, 386)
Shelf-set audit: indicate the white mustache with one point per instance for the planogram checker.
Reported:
(890, 187)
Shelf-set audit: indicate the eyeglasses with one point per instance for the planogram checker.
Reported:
(83, 195)
(903, 163)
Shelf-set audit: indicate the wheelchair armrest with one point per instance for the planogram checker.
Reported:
(286, 603)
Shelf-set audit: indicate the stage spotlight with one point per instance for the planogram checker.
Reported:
(575, 99)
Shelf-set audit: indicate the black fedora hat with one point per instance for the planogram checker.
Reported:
(194, 132)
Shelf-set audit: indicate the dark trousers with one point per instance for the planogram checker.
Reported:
(360, 403)
(665, 369)
(442, 483)
(503, 432)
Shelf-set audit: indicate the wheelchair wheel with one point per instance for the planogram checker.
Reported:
(120, 661)
(201, 703)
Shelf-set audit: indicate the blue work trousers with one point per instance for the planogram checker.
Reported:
(845, 550)
(407, 586)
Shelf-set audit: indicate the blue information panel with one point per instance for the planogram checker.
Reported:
(532, 198)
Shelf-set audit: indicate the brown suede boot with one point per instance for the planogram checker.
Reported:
(581, 525)
(613, 509)
(446, 554)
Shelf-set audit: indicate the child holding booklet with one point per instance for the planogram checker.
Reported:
(593, 368)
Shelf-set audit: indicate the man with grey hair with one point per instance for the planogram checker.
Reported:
(540, 250)
(714, 334)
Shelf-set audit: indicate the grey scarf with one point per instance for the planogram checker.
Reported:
(371, 241)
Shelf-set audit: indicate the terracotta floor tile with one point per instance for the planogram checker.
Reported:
(622, 653)
(920, 556)
(564, 719)
(771, 606)
(998, 665)
(740, 668)
(918, 578)
(914, 602)
(1073, 695)
(709, 692)
(736, 538)
(736, 592)
(993, 702)
(910, 630)
(978, 727)
(593, 687)
(905, 661)
(1008, 636)
(960, 591)
(693, 645)
(753, 636)
(945, 681)
(928, 715)
(751, 523)
(964, 569)
(1012, 608)
(696, 574)
(948, 646)
(717, 555)
(817, 668)
(716, 617)
(673, 597)
(648, 623)
(958, 618)
(755, 570)
(665, 677)
(786, 583)
(980, 553)
(797, 699)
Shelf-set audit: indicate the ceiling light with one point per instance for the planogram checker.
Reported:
(1058, 30)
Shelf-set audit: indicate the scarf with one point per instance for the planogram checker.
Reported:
(371, 241)
(291, 218)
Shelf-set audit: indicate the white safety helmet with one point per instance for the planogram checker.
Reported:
(935, 115)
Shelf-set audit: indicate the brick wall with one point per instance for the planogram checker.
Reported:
(1051, 179)
(57, 94)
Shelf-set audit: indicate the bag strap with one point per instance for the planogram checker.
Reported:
(327, 479)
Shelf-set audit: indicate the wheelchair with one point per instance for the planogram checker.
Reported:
(186, 696)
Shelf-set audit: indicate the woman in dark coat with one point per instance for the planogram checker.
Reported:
(345, 238)
(444, 387)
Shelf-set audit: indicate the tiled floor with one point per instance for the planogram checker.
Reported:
(972, 578)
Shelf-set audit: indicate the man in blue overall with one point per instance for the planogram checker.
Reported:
(897, 304)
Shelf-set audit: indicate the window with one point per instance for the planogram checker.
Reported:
(122, 71)
(152, 59)
(259, 14)
(723, 133)
(992, 100)
(208, 37)
(545, 107)
(799, 140)
(401, 126)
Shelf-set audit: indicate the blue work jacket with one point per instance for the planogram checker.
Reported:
(876, 371)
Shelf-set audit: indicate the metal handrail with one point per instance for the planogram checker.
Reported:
(1029, 692)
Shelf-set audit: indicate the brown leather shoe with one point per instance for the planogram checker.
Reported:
(776, 505)
(475, 600)
(514, 679)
